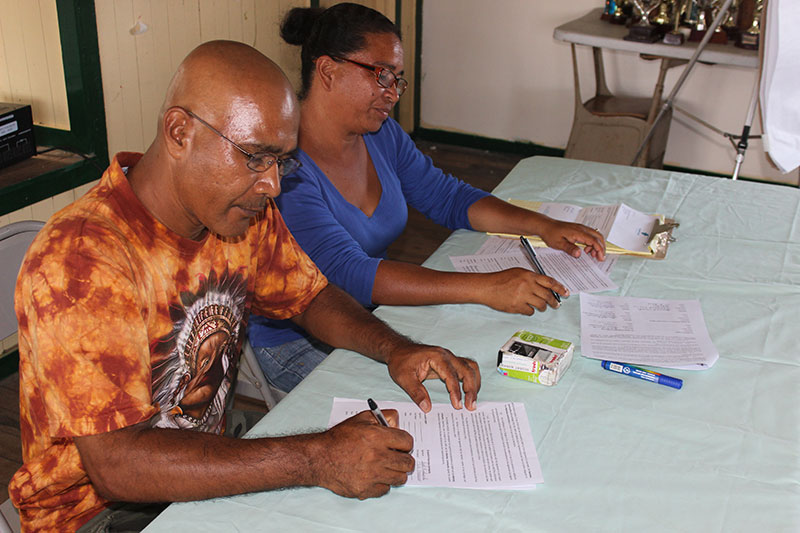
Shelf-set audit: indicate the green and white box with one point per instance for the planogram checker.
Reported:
(533, 357)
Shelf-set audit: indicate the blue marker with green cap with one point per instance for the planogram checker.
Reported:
(641, 373)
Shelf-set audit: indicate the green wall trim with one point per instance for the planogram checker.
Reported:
(9, 364)
(528, 149)
(417, 64)
(81, 58)
(46, 185)
(486, 143)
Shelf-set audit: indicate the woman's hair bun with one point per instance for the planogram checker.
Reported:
(297, 24)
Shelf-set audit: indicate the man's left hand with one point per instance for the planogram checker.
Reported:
(410, 366)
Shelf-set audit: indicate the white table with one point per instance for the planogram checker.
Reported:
(617, 454)
(589, 30)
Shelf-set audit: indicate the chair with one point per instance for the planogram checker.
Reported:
(14, 242)
(251, 381)
(609, 128)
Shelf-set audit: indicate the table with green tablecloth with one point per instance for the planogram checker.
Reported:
(617, 454)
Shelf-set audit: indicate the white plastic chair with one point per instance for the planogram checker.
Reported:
(251, 381)
(14, 242)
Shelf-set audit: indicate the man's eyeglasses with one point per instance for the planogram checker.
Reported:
(259, 161)
(385, 77)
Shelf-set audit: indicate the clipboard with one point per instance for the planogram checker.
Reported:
(658, 241)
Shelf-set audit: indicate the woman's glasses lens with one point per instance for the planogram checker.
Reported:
(387, 79)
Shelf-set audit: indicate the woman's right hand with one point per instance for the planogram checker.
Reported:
(517, 290)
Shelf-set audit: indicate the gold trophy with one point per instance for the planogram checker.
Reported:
(751, 37)
(706, 12)
(662, 17)
(731, 25)
(675, 37)
(643, 31)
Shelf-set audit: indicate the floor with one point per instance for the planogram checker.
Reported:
(480, 168)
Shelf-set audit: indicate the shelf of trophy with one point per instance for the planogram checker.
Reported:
(608, 128)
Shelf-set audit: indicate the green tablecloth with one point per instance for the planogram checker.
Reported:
(617, 454)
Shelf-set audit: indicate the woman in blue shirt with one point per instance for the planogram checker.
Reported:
(348, 202)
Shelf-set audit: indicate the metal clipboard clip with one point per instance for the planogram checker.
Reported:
(661, 237)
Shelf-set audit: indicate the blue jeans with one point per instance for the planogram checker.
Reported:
(288, 364)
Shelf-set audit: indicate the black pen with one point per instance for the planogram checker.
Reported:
(532, 255)
(377, 412)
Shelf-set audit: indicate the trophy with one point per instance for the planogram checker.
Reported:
(675, 37)
(643, 31)
(731, 25)
(618, 15)
(706, 11)
(608, 11)
(750, 38)
(662, 17)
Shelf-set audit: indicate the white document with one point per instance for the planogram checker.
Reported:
(495, 244)
(489, 448)
(663, 333)
(580, 274)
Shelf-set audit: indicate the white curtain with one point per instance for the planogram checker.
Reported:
(780, 83)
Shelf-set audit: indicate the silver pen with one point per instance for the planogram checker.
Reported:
(377, 412)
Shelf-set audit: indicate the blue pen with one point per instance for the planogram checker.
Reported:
(641, 373)
(535, 260)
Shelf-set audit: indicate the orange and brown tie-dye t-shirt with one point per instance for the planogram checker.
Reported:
(122, 321)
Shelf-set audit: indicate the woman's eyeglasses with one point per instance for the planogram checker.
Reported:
(385, 77)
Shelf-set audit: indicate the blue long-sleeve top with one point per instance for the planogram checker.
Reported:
(348, 245)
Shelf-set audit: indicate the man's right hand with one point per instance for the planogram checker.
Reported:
(359, 458)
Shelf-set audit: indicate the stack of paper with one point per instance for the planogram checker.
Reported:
(646, 331)
(489, 448)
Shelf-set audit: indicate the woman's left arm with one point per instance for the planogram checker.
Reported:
(495, 215)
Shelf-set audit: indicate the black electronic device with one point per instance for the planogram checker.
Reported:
(16, 133)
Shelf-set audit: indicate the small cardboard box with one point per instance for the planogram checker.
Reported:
(535, 358)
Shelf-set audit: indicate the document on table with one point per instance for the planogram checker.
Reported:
(576, 274)
(663, 333)
(489, 448)
(494, 244)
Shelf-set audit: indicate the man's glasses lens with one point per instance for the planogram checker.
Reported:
(262, 162)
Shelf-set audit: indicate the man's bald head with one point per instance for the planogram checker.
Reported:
(219, 80)
(192, 177)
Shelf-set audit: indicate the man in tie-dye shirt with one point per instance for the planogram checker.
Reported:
(131, 305)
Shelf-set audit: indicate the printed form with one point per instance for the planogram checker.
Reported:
(495, 244)
(489, 448)
(581, 274)
(647, 331)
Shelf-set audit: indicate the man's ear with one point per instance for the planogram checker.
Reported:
(326, 69)
(177, 131)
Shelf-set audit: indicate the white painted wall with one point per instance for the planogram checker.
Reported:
(493, 69)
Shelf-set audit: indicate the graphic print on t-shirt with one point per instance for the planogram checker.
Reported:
(196, 361)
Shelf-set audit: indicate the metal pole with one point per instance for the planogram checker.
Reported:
(668, 102)
(741, 147)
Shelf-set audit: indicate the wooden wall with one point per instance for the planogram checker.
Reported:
(31, 71)
(143, 41)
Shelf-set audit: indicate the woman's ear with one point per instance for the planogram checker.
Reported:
(326, 69)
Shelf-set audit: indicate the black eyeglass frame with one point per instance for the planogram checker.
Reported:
(259, 161)
(400, 84)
